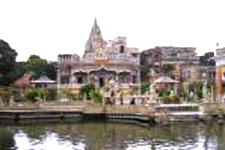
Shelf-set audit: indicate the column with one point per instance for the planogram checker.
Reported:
(88, 78)
(58, 80)
(219, 83)
(139, 81)
(175, 88)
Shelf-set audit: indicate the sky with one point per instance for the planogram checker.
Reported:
(51, 27)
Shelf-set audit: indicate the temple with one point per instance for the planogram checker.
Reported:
(104, 64)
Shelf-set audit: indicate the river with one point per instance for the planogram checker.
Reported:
(94, 135)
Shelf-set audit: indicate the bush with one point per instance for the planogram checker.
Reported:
(87, 90)
(76, 97)
(175, 99)
(33, 94)
(51, 94)
(6, 93)
(166, 99)
(145, 87)
(164, 93)
(97, 96)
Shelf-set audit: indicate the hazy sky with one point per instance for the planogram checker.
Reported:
(51, 27)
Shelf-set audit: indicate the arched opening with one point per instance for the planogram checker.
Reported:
(121, 49)
(79, 80)
(101, 82)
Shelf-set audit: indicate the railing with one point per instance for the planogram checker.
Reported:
(177, 107)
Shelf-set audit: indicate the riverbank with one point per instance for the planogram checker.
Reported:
(152, 114)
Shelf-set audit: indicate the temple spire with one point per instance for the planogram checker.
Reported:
(95, 23)
(95, 36)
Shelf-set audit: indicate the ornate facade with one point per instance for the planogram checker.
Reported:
(103, 63)
(220, 74)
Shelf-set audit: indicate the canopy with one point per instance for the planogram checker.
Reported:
(165, 79)
(43, 79)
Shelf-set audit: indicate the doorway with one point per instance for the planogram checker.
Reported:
(101, 82)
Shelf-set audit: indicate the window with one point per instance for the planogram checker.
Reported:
(121, 49)
(101, 82)
(79, 80)
(134, 79)
(65, 79)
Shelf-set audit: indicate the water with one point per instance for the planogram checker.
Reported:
(112, 136)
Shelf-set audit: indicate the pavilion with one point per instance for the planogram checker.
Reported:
(44, 82)
(165, 82)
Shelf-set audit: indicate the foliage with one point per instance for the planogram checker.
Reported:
(36, 65)
(175, 99)
(91, 92)
(7, 57)
(51, 94)
(68, 93)
(17, 71)
(50, 70)
(87, 89)
(76, 97)
(41, 67)
(34, 93)
(145, 86)
(164, 93)
(207, 59)
(145, 70)
(7, 62)
(6, 93)
(97, 96)
(165, 99)
(166, 68)
(196, 87)
(170, 99)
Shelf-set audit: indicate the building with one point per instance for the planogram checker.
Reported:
(103, 63)
(220, 73)
(199, 73)
(153, 58)
(179, 55)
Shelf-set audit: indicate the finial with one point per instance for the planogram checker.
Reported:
(217, 44)
(95, 20)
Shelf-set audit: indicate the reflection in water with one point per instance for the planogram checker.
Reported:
(112, 136)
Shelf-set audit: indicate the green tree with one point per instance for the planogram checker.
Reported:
(41, 67)
(17, 71)
(6, 93)
(87, 90)
(36, 66)
(7, 62)
(145, 71)
(7, 57)
(145, 87)
(196, 87)
(33, 93)
(96, 96)
(167, 68)
(51, 70)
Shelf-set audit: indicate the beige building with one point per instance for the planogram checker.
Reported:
(179, 55)
(199, 73)
(103, 63)
(220, 74)
(153, 58)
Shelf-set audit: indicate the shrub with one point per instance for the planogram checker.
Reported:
(145, 87)
(166, 99)
(87, 90)
(51, 94)
(175, 99)
(97, 96)
(164, 93)
(33, 93)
